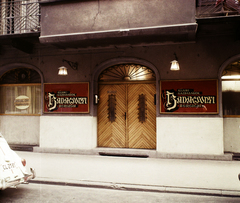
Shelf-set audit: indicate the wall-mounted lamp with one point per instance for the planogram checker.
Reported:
(63, 70)
(175, 64)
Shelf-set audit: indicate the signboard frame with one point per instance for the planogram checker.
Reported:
(189, 96)
(66, 97)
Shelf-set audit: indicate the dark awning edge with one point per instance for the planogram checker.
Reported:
(160, 34)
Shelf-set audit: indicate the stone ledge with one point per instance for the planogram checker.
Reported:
(63, 151)
(142, 153)
(223, 157)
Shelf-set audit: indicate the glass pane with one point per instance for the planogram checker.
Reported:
(112, 107)
(20, 99)
(127, 72)
(142, 108)
(231, 97)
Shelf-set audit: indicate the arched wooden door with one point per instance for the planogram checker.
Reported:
(126, 109)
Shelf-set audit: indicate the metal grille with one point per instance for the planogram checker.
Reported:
(211, 8)
(20, 75)
(19, 17)
(127, 72)
(232, 69)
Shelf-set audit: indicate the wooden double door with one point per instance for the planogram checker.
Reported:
(127, 116)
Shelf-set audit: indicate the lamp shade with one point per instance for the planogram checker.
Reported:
(174, 65)
(62, 70)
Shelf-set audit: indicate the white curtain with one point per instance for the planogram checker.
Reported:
(9, 93)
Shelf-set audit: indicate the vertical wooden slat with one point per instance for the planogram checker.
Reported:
(126, 117)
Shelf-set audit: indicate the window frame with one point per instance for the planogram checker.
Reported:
(25, 84)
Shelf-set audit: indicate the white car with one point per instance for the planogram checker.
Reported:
(12, 168)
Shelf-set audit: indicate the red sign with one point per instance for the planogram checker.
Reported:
(189, 97)
(66, 98)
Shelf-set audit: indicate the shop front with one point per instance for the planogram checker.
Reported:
(126, 105)
(117, 89)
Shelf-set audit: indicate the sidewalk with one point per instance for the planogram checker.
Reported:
(147, 174)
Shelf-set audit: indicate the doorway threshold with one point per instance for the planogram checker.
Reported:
(22, 147)
(123, 152)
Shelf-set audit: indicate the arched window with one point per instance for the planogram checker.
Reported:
(20, 92)
(231, 89)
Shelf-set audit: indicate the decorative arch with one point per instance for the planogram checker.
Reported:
(220, 72)
(127, 72)
(123, 60)
(22, 73)
(118, 61)
(8, 67)
(226, 63)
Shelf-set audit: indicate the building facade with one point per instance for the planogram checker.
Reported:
(119, 92)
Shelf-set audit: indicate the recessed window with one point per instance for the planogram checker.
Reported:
(231, 89)
(20, 92)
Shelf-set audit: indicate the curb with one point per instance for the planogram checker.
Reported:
(143, 188)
